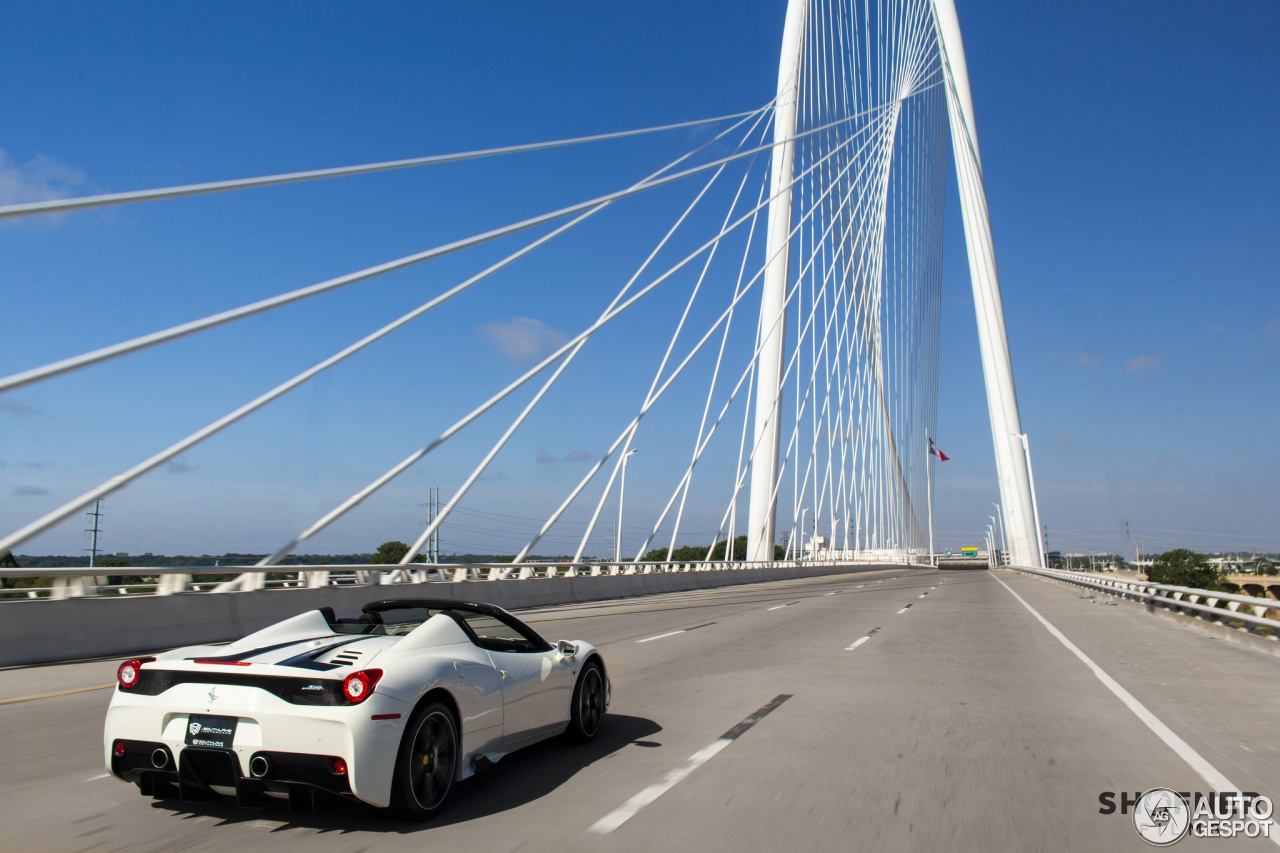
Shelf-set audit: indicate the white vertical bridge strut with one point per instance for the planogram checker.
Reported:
(768, 425)
(997, 367)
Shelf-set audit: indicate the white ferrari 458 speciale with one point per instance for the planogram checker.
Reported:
(390, 708)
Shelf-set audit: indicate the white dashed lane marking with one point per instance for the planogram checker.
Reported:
(660, 636)
(904, 610)
(628, 810)
(673, 633)
(861, 640)
(780, 606)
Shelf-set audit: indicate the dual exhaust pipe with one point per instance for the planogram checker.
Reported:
(259, 765)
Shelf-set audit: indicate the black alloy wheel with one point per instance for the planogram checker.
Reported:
(588, 704)
(427, 763)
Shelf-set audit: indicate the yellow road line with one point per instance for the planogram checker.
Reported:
(52, 695)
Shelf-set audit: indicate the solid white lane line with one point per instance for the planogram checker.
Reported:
(660, 636)
(1207, 771)
(628, 810)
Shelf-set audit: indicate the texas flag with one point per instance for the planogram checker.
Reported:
(942, 457)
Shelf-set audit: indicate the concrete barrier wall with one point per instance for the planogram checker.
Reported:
(77, 628)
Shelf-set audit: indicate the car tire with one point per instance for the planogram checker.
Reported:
(426, 763)
(587, 711)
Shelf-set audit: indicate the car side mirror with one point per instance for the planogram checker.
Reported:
(566, 648)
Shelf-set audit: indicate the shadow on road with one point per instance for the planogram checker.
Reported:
(520, 778)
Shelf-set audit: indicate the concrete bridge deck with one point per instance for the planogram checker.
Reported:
(961, 724)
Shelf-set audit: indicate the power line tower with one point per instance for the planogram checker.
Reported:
(96, 515)
(433, 508)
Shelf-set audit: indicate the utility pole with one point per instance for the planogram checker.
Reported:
(93, 532)
(1129, 537)
(433, 508)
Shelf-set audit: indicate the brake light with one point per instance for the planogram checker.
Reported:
(358, 685)
(128, 673)
(118, 749)
(339, 767)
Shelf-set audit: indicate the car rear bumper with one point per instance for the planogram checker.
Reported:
(295, 737)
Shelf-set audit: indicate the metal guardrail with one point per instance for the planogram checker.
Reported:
(1223, 605)
(75, 582)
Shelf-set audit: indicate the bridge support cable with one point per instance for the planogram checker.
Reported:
(67, 205)
(453, 430)
(67, 365)
(803, 334)
(698, 443)
(53, 518)
(867, 419)
(536, 369)
(567, 351)
(649, 395)
(753, 361)
(493, 452)
(629, 429)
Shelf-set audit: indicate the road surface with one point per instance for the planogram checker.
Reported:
(818, 714)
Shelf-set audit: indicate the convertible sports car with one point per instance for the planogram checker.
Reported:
(390, 708)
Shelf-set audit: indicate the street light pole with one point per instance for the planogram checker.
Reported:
(622, 493)
(803, 515)
(928, 467)
(1004, 542)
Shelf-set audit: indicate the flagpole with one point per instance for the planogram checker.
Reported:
(928, 461)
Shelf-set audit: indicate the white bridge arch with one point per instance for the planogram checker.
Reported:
(843, 171)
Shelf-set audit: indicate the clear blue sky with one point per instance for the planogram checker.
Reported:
(1129, 151)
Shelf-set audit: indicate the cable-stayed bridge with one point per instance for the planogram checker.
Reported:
(803, 259)
(841, 691)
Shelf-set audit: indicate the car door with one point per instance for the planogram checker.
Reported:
(537, 681)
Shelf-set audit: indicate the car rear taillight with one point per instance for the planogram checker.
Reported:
(118, 749)
(339, 767)
(130, 671)
(128, 674)
(358, 685)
